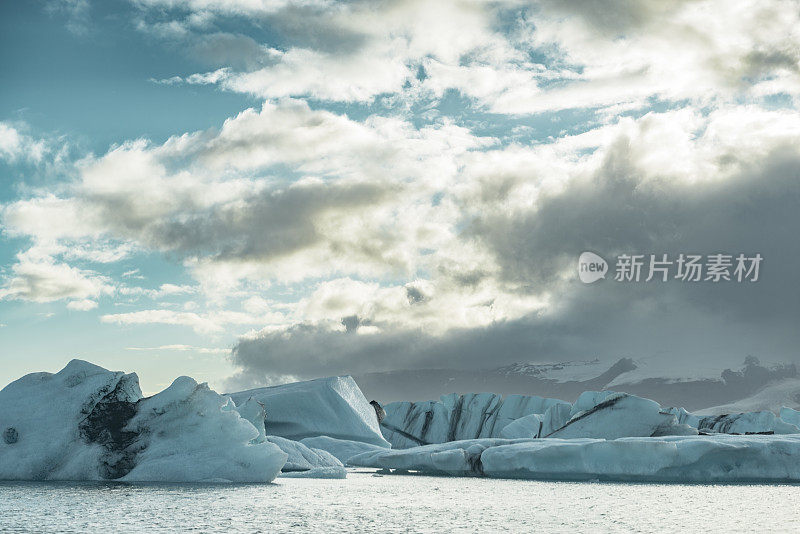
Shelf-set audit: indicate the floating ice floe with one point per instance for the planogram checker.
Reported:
(306, 461)
(717, 458)
(332, 407)
(88, 423)
(342, 449)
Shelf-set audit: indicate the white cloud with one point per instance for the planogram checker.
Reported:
(359, 224)
(40, 279)
(232, 7)
(206, 323)
(550, 55)
(133, 273)
(305, 223)
(340, 214)
(15, 145)
(82, 305)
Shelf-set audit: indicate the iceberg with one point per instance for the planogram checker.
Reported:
(529, 426)
(332, 407)
(747, 423)
(190, 433)
(596, 414)
(555, 417)
(717, 458)
(455, 458)
(483, 415)
(458, 417)
(52, 430)
(472, 415)
(341, 449)
(409, 424)
(669, 459)
(303, 460)
(88, 423)
(738, 423)
(538, 425)
(306, 461)
(254, 412)
(790, 416)
(611, 415)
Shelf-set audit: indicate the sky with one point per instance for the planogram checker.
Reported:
(251, 192)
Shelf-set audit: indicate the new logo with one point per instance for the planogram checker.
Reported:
(591, 267)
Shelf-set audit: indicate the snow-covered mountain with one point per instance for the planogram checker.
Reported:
(698, 388)
(779, 393)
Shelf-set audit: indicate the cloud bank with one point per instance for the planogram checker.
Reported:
(417, 184)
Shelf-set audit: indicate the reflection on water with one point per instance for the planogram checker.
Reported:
(392, 503)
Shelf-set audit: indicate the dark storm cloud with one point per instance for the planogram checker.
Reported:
(757, 210)
(308, 350)
(587, 328)
(270, 224)
(614, 212)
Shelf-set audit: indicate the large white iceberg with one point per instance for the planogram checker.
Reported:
(51, 429)
(718, 458)
(190, 433)
(87, 423)
(332, 407)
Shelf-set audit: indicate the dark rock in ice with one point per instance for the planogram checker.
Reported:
(10, 435)
(379, 411)
(473, 457)
(105, 425)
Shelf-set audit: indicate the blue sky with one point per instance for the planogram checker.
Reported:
(88, 88)
(256, 191)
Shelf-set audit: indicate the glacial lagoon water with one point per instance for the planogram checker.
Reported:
(366, 502)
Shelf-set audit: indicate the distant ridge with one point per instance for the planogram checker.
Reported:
(567, 380)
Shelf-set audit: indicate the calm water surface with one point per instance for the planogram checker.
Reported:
(394, 503)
